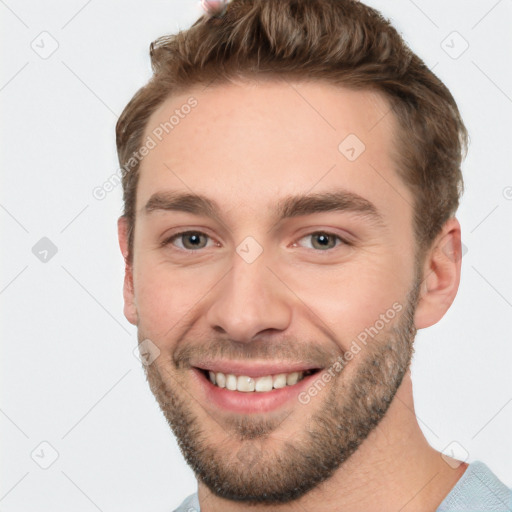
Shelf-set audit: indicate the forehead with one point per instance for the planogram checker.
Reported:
(248, 144)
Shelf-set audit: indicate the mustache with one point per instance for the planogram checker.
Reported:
(314, 353)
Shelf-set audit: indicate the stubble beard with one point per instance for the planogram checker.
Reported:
(252, 472)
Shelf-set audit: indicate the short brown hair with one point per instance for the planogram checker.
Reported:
(339, 41)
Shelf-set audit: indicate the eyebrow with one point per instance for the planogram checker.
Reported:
(288, 207)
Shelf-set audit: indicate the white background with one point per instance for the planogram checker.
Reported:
(69, 376)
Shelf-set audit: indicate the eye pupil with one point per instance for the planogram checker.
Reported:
(193, 239)
(323, 240)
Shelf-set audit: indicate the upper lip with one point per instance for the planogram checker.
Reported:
(254, 369)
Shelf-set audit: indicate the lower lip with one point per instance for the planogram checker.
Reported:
(254, 401)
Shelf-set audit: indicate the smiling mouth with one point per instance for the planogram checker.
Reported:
(264, 384)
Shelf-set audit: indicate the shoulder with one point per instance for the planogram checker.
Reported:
(478, 490)
(189, 504)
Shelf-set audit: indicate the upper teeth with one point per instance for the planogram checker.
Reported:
(248, 384)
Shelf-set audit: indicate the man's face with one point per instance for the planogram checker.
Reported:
(263, 285)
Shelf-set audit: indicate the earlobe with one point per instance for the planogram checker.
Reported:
(130, 309)
(441, 276)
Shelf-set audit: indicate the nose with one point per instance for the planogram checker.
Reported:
(250, 299)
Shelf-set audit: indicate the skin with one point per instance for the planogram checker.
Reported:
(246, 146)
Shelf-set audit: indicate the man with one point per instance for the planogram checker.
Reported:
(292, 171)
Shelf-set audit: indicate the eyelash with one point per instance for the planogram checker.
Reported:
(175, 236)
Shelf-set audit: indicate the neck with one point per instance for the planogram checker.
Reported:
(394, 469)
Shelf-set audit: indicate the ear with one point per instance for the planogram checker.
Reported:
(441, 276)
(130, 309)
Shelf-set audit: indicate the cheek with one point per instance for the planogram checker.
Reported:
(352, 297)
(167, 298)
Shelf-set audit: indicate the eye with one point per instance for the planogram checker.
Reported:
(190, 240)
(322, 240)
(194, 240)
